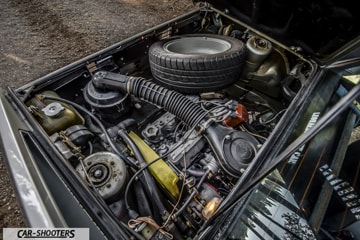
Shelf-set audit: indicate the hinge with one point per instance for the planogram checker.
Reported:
(91, 67)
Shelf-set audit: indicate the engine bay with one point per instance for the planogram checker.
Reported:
(161, 139)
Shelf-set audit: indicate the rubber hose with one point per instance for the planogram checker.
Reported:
(185, 109)
(92, 127)
(127, 123)
(142, 201)
(196, 172)
(288, 93)
(174, 102)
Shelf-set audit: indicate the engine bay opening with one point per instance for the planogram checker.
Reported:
(162, 129)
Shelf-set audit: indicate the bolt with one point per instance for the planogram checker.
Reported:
(98, 173)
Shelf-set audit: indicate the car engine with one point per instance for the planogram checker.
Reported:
(163, 152)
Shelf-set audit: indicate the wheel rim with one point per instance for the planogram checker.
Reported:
(197, 46)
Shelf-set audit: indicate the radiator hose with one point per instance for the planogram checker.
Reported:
(234, 150)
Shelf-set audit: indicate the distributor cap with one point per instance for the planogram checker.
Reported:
(239, 149)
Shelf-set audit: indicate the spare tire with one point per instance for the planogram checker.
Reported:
(197, 63)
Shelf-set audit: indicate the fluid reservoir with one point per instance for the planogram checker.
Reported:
(258, 50)
(263, 69)
(53, 116)
(163, 174)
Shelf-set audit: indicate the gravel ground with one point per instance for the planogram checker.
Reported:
(38, 37)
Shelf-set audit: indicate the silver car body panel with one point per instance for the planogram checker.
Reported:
(33, 194)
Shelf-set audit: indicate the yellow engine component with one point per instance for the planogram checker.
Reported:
(163, 174)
